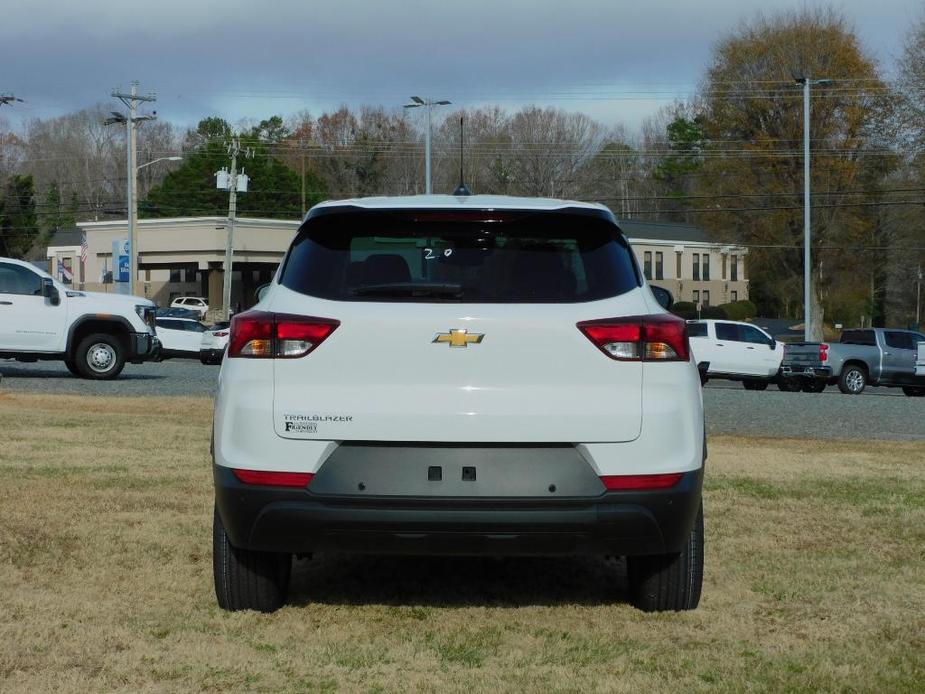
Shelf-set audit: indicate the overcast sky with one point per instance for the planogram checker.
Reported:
(617, 60)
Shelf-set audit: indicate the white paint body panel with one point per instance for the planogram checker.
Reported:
(534, 378)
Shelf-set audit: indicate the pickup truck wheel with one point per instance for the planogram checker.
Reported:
(853, 380)
(669, 581)
(244, 579)
(755, 385)
(789, 385)
(99, 356)
(914, 391)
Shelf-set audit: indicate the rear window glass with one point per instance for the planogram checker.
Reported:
(697, 329)
(859, 337)
(478, 257)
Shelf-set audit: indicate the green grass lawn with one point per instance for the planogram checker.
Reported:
(815, 579)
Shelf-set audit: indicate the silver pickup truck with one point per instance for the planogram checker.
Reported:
(874, 356)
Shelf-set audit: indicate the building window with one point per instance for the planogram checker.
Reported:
(678, 268)
(735, 295)
(696, 266)
(734, 267)
(659, 266)
(706, 297)
(647, 264)
(175, 274)
(696, 296)
(706, 266)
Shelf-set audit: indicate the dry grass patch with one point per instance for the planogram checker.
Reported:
(815, 565)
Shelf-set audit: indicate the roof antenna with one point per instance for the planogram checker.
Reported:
(461, 189)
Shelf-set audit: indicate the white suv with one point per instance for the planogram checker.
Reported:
(458, 375)
(192, 303)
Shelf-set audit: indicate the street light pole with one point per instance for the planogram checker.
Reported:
(807, 217)
(428, 104)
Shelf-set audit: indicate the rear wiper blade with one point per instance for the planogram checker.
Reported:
(411, 289)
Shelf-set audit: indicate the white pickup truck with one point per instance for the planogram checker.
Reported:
(93, 334)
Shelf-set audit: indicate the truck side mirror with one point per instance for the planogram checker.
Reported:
(50, 292)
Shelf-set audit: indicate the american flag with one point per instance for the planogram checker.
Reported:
(84, 248)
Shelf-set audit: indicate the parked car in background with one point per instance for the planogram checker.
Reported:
(214, 342)
(180, 337)
(862, 357)
(177, 313)
(736, 351)
(192, 303)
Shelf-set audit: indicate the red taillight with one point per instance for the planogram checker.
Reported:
(221, 333)
(823, 352)
(263, 335)
(658, 337)
(274, 479)
(615, 483)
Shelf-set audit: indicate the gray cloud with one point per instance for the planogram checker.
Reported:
(248, 59)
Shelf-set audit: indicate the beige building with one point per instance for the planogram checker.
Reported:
(186, 256)
(178, 257)
(682, 259)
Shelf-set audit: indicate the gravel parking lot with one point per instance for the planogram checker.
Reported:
(881, 413)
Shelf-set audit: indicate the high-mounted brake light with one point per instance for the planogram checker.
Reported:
(274, 479)
(615, 483)
(823, 352)
(657, 337)
(264, 335)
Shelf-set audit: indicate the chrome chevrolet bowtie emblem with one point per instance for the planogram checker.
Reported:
(459, 338)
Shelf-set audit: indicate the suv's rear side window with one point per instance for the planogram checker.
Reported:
(475, 256)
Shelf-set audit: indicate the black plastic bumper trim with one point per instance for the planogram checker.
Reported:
(615, 523)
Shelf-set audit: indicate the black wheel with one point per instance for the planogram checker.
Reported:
(99, 356)
(789, 385)
(815, 385)
(72, 367)
(755, 385)
(914, 391)
(853, 380)
(669, 581)
(244, 579)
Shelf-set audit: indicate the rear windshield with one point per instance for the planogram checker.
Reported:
(476, 257)
(859, 337)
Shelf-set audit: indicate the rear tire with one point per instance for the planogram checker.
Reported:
(99, 356)
(789, 385)
(914, 391)
(853, 380)
(669, 582)
(244, 579)
(755, 385)
(72, 367)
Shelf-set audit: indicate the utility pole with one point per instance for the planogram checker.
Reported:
(234, 149)
(807, 232)
(428, 104)
(131, 101)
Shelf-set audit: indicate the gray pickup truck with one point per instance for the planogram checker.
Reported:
(874, 356)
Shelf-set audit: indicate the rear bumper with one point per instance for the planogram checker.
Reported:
(798, 371)
(212, 353)
(614, 523)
